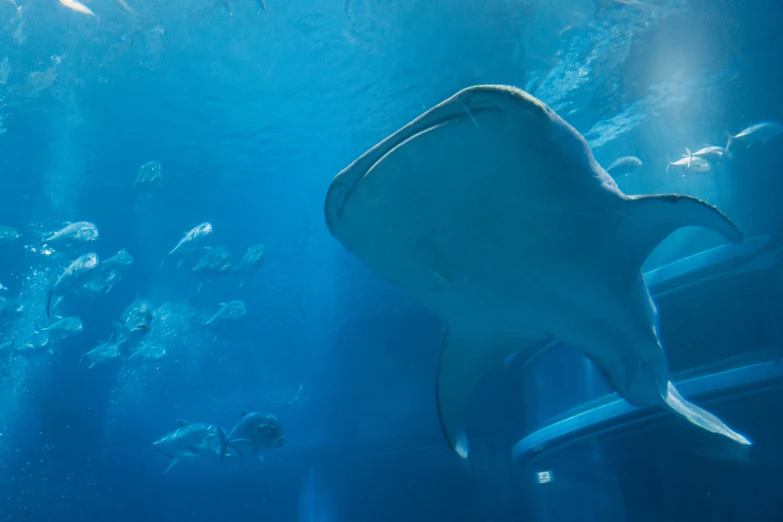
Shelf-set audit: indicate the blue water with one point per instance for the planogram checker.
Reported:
(251, 113)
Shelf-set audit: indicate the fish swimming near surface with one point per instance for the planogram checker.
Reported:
(255, 433)
(77, 6)
(624, 166)
(689, 163)
(231, 311)
(251, 263)
(216, 263)
(193, 441)
(74, 234)
(759, 133)
(124, 6)
(78, 273)
(492, 212)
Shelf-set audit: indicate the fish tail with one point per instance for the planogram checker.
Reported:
(49, 303)
(223, 443)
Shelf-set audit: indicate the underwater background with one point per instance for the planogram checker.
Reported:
(251, 111)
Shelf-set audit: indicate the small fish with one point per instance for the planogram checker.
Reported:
(78, 7)
(713, 150)
(251, 262)
(115, 268)
(73, 234)
(147, 352)
(193, 239)
(8, 311)
(79, 272)
(149, 176)
(35, 344)
(216, 262)
(192, 441)
(63, 328)
(7, 345)
(231, 311)
(624, 165)
(758, 133)
(690, 163)
(103, 353)
(136, 319)
(256, 432)
(124, 6)
(8, 235)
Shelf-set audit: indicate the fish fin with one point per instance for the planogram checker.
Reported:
(698, 416)
(182, 422)
(242, 441)
(655, 216)
(465, 357)
(243, 413)
(668, 163)
(160, 266)
(690, 156)
(91, 366)
(729, 137)
(241, 282)
(199, 287)
(221, 304)
(223, 443)
(171, 465)
(181, 261)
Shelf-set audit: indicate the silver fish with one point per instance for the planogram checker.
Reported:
(758, 133)
(192, 441)
(73, 234)
(79, 272)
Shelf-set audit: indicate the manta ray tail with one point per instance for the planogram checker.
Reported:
(698, 416)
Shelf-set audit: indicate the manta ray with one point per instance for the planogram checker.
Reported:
(492, 212)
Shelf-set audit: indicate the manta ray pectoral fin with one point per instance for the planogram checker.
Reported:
(653, 217)
(465, 357)
(698, 416)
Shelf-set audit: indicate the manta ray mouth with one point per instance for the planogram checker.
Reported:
(463, 106)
